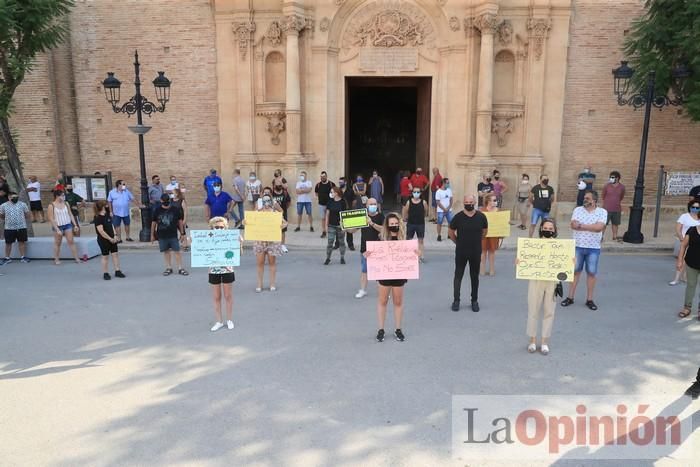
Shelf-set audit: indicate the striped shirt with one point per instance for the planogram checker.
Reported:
(61, 215)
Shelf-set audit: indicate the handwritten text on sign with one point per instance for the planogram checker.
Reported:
(263, 226)
(545, 259)
(211, 248)
(392, 260)
(499, 224)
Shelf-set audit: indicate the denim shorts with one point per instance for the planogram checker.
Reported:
(444, 215)
(63, 228)
(363, 262)
(322, 211)
(117, 220)
(433, 201)
(304, 206)
(537, 215)
(166, 244)
(589, 257)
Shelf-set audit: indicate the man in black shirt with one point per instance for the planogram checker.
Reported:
(466, 230)
(542, 198)
(323, 190)
(349, 198)
(484, 188)
(375, 220)
(167, 222)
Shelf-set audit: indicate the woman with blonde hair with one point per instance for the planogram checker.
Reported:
(221, 279)
(106, 239)
(63, 224)
(393, 229)
(489, 245)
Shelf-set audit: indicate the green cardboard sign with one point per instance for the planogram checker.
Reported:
(353, 219)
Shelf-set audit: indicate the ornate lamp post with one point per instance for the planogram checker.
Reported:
(622, 77)
(139, 105)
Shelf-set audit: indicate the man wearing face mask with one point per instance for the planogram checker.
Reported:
(523, 196)
(303, 191)
(421, 182)
(167, 223)
(119, 199)
(542, 200)
(587, 177)
(587, 223)
(484, 188)
(443, 201)
(15, 214)
(466, 230)
(219, 203)
(323, 193)
(75, 201)
(375, 220)
(155, 192)
(613, 193)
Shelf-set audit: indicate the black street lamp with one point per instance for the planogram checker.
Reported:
(622, 77)
(139, 105)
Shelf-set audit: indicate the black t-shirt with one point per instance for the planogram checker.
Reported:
(323, 190)
(484, 188)
(370, 234)
(283, 199)
(542, 197)
(692, 254)
(348, 195)
(334, 207)
(6, 188)
(469, 231)
(106, 223)
(167, 221)
(695, 192)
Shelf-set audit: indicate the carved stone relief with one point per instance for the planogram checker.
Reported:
(502, 125)
(389, 23)
(325, 24)
(274, 34)
(538, 28)
(276, 124)
(486, 23)
(294, 24)
(469, 28)
(454, 23)
(505, 32)
(244, 34)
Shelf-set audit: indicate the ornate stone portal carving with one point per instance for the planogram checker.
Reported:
(274, 34)
(325, 24)
(486, 23)
(502, 124)
(389, 23)
(244, 34)
(454, 23)
(538, 28)
(294, 24)
(276, 124)
(505, 32)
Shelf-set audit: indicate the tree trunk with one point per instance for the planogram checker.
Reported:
(14, 164)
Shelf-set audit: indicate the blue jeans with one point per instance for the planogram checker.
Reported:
(441, 216)
(241, 211)
(588, 257)
(538, 214)
(303, 206)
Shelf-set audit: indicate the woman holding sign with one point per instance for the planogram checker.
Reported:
(269, 250)
(221, 279)
(489, 245)
(540, 295)
(393, 229)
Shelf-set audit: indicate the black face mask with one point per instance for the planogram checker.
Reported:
(497, 177)
(14, 199)
(488, 179)
(393, 228)
(469, 207)
(165, 204)
(69, 191)
(545, 181)
(547, 234)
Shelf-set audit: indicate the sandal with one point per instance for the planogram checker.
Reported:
(591, 305)
(182, 272)
(167, 272)
(684, 313)
(567, 301)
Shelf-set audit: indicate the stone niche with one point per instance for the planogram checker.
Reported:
(274, 77)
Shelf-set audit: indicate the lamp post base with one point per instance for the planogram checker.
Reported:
(145, 232)
(634, 230)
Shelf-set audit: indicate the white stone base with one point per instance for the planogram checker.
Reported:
(42, 248)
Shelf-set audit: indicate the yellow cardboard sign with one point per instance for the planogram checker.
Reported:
(545, 259)
(263, 226)
(499, 224)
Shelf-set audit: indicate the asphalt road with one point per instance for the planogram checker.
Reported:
(127, 372)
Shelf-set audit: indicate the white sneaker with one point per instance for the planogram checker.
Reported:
(272, 289)
(673, 283)
(229, 324)
(284, 249)
(258, 289)
(217, 326)
(360, 293)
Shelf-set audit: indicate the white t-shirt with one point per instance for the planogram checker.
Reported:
(586, 239)
(444, 197)
(34, 195)
(172, 186)
(687, 221)
(304, 197)
(254, 188)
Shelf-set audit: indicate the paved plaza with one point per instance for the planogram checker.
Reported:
(127, 372)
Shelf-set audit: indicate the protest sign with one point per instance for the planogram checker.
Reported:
(392, 260)
(353, 219)
(218, 247)
(263, 226)
(499, 224)
(545, 259)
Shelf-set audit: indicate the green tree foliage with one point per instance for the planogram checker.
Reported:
(666, 36)
(27, 28)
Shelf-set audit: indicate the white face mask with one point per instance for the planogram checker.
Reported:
(525, 181)
(302, 178)
(612, 179)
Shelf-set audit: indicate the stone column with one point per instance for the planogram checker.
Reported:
(293, 25)
(243, 34)
(538, 29)
(486, 23)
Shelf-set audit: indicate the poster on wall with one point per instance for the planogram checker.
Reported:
(99, 188)
(80, 187)
(680, 183)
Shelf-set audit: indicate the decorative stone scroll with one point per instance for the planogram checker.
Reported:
(244, 34)
(389, 23)
(276, 124)
(502, 125)
(389, 61)
(538, 28)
